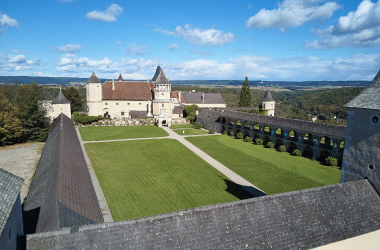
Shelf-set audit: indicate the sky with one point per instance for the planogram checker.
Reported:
(286, 40)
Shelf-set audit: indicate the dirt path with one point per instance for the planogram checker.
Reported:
(21, 160)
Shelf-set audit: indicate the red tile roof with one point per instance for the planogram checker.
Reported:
(175, 94)
(127, 90)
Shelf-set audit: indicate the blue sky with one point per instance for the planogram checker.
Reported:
(289, 40)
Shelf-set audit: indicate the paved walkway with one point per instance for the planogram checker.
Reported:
(107, 216)
(255, 191)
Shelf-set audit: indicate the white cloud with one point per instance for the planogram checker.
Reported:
(205, 53)
(17, 51)
(132, 49)
(109, 15)
(249, 7)
(118, 43)
(173, 47)
(11, 63)
(291, 13)
(360, 28)
(43, 74)
(69, 48)
(66, 1)
(6, 21)
(237, 50)
(198, 36)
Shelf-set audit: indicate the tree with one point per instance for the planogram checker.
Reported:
(10, 125)
(74, 97)
(32, 116)
(190, 112)
(245, 95)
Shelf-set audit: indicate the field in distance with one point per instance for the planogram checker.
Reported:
(101, 133)
(147, 177)
(271, 171)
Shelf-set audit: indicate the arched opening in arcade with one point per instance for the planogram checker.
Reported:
(266, 139)
(238, 123)
(223, 120)
(293, 136)
(222, 128)
(237, 131)
(230, 122)
(256, 127)
(308, 139)
(323, 154)
(278, 143)
(267, 130)
(340, 161)
(230, 129)
(247, 125)
(307, 152)
(255, 136)
(341, 146)
(291, 147)
(326, 143)
(279, 133)
(246, 133)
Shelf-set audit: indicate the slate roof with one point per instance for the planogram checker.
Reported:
(61, 194)
(369, 98)
(138, 113)
(46, 95)
(196, 97)
(161, 78)
(209, 115)
(178, 110)
(312, 127)
(61, 99)
(296, 220)
(10, 186)
(120, 78)
(267, 97)
(93, 78)
(127, 90)
(158, 70)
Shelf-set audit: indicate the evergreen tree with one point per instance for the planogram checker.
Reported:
(245, 95)
(73, 96)
(10, 125)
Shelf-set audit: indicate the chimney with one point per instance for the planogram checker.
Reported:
(179, 96)
(203, 98)
(113, 85)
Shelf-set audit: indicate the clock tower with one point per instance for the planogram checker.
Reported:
(162, 104)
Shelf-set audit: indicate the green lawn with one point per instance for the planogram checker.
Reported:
(147, 177)
(120, 132)
(181, 126)
(191, 131)
(268, 169)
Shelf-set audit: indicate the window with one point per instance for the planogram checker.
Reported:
(117, 103)
(140, 103)
(105, 103)
(122, 112)
(209, 126)
(216, 128)
(374, 119)
(128, 103)
(163, 105)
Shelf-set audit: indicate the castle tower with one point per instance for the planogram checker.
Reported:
(361, 159)
(94, 95)
(268, 103)
(162, 104)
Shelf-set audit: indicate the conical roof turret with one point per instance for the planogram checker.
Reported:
(267, 97)
(61, 99)
(162, 78)
(46, 95)
(120, 78)
(158, 70)
(93, 78)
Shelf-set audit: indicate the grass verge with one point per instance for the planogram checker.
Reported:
(190, 131)
(269, 170)
(148, 177)
(101, 133)
(181, 126)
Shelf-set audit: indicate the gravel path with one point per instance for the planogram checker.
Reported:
(21, 160)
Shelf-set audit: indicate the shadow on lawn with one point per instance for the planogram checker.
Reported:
(241, 192)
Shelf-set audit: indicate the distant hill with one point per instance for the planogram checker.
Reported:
(216, 83)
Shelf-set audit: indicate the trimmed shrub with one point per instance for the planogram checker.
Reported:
(197, 125)
(225, 133)
(248, 139)
(331, 161)
(259, 141)
(270, 145)
(232, 133)
(282, 148)
(85, 119)
(211, 131)
(296, 152)
(239, 136)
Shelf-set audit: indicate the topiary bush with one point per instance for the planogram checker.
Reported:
(232, 133)
(296, 152)
(259, 141)
(248, 139)
(331, 161)
(239, 136)
(225, 133)
(85, 119)
(211, 131)
(270, 145)
(282, 148)
(197, 125)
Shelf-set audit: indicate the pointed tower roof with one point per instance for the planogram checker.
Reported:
(120, 78)
(267, 97)
(93, 78)
(369, 98)
(61, 99)
(46, 95)
(158, 70)
(162, 78)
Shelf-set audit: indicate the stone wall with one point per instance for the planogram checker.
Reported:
(135, 122)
